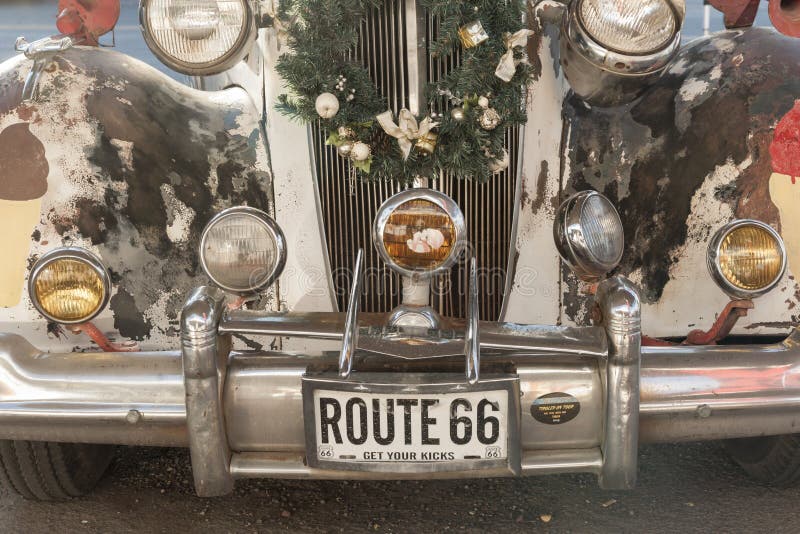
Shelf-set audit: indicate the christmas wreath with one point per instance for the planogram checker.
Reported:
(461, 130)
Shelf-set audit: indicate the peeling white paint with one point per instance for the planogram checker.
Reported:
(179, 215)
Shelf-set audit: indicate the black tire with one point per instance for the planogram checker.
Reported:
(45, 471)
(773, 460)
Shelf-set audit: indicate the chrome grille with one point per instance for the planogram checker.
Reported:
(349, 208)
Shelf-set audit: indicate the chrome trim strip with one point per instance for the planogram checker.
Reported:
(553, 340)
(287, 465)
(204, 366)
(350, 335)
(472, 343)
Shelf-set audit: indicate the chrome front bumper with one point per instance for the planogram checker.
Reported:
(241, 413)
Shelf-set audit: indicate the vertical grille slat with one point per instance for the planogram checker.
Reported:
(348, 211)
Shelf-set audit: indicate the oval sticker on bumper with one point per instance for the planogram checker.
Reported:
(555, 408)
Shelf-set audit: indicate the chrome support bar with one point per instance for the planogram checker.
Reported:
(621, 315)
(204, 365)
(350, 336)
(472, 343)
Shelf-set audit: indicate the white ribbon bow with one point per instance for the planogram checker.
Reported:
(407, 130)
(508, 65)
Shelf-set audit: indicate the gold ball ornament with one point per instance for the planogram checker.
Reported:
(457, 114)
(489, 119)
(360, 151)
(345, 149)
(327, 105)
(501, 163)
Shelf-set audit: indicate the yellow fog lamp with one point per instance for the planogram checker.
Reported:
(419, 232)
(747, 258)
(69, 285)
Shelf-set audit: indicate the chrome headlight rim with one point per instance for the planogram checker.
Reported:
(69, 253)
(209, 68)
(574, 251)
(275, 232)
(714, 252)
(447, 204)
(614, 61)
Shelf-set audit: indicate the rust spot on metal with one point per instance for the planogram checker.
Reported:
(23, 166)
(541, 188)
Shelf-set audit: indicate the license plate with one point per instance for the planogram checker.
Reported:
(411, 423)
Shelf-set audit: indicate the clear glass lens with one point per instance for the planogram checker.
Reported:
(196, 32)
(419, 235)
(629, 26)
(750, 258)
(69, 290)
(240, 252)
(602, 230)
(196, 20)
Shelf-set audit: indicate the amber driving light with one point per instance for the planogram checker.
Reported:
(198, 37)
(419, 232)
(747, 258)
(69, 285)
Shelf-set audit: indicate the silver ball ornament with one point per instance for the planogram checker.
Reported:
(457, 114)
(345, 149)
(483, 102)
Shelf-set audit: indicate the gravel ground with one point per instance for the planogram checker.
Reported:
(686, 488)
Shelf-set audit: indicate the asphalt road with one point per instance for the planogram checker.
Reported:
(682, 488)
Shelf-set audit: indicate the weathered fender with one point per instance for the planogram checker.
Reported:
(119, 159)
(692, 154)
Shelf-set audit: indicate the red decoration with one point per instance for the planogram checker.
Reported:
(737, 13)
(785, 16)
(785, 146)
(87, 20)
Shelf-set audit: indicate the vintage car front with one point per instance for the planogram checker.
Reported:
(398, 239)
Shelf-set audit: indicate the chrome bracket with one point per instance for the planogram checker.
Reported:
(472, 342)
(620, 307)
(350, 337)
(42, 52)
(204, 354)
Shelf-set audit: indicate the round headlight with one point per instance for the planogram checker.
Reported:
(624, 37)
(589, 235)
(419, 232)
(197, 37)
(747, 258)
(639, 27)
(242, 250)
(69, 285)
